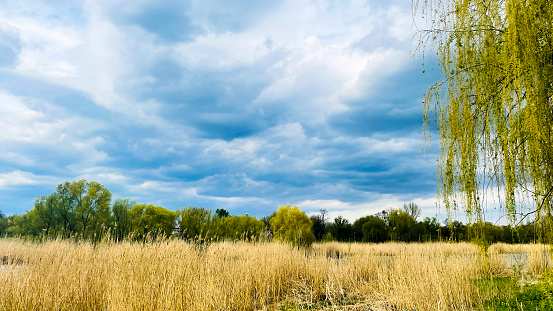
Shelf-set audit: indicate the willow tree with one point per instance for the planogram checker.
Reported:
(494, 107)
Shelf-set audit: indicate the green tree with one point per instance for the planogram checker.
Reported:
(341, 229)
(493, 109)
(240, 228)
(92, 208)
(158, 220)
(221, 213)
(65, 208)
(430, 227)
(374, 229)
(196, 223)
(292, 225)
(45, 212)
(136, 217)
(358, 227)
(401, 226)
(122, 221)
(318, 227)
(4, 225)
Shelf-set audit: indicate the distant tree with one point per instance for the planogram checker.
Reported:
(374, 230)
(240, 228)
(319, 225)
(196, 223)
(2, 215)
(158, 220)
(430, 229)
(341, 229)
(267, 221)
(401, 225)
(122, 222)
(66, 208)
(459, 231)
(4, 225)
(412, 209)
(292, 225)
(93, 206)
(136, 217)
(221, 213)
(44, 210)
(358, 227)
(383, 214)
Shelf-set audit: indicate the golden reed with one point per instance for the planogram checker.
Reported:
(178, 275)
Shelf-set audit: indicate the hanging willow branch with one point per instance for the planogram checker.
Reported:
(494, 110)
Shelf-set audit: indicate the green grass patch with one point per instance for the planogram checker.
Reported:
(505, 293)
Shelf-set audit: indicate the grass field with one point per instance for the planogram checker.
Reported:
(176, 275)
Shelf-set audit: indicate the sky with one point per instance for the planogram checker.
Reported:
(242, 105)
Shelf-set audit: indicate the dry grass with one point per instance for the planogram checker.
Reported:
(175, 275)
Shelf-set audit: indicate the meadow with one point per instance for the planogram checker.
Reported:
(170, 274)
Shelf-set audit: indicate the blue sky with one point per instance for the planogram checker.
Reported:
(242, 105)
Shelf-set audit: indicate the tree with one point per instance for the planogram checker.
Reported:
(341, 229)
(240, 228)
(374, 229)
(92, 208)
(122, 222)
(221, 213)
(412, 209)
(158, 220)
(493, 109)
(196, 223)
(319, 225)
(65, 209)
(358, 227)
(44, 211)
(292, 225)
(136, 216)
(401, 225)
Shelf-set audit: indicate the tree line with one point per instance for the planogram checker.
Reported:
(85, 210)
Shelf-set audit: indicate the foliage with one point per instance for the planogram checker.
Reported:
(401, 226)
(240, 228)
(318, 227)
(358, 227)
(196, 223)
(342, 230)
(221, 213)
(292, 225)
(493, 110)
(375, 230)
(122, 218)
(159, 220)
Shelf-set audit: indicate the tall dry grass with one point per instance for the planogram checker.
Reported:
(176, 275)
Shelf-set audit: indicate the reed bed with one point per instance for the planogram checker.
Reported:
(178, 275)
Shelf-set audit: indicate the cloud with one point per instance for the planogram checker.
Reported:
(10, 45)
(20, 178)
(170, 20)
(244, 106)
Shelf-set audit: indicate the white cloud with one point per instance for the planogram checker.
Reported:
(38, 127)
(21, 178)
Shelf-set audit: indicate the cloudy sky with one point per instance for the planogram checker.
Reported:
(242, 105)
